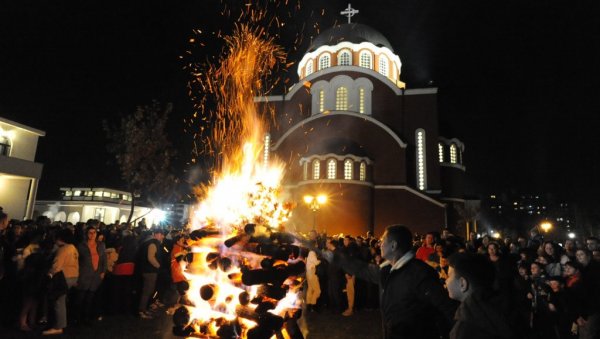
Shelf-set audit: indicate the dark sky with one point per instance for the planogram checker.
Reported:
(517, 79)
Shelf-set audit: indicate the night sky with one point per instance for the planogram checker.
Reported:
(517, 79)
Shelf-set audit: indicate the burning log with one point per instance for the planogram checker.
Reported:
(268, 324)
(209, 292)
(277, 275)
(203, 233)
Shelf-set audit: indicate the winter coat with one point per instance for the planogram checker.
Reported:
(412, 299)
(477, 318)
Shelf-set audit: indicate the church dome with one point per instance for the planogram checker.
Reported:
(353, 33)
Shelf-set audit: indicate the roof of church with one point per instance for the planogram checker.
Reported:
(353, 32)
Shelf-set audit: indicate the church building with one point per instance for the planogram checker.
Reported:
(352, 133)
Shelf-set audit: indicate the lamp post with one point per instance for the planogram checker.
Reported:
(546, 226)
(314, 203)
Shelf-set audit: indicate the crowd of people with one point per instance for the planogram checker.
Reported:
(53, 274)
(56, 273)
(539, 288)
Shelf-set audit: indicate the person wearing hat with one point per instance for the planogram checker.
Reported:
(470, 281)
(150, 260)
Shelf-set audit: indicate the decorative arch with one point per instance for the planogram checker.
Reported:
(74, 217)
(60, 216)
(368, 119)
(320, 93)
(383, 66)
(308, 70)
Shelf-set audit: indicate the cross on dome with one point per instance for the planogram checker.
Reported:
(349, 12)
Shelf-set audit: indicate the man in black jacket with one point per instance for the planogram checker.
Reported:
(414, 304)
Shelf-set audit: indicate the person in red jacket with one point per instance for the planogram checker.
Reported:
(178, 255)
(427, 249)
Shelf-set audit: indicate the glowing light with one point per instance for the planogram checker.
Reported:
(321, 199)
(571, 235)
(546, 226)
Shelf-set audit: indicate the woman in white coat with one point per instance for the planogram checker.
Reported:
(314, 289)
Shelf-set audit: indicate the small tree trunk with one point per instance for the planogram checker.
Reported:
(132, 208)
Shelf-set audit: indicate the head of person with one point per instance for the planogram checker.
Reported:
(3, 221)
(549, 248)
(584, 256)
(493, 249)
(90, 233)
(592, 243)
(536, 269)
(331, 244)
(569, 245)
(312, 235)
(469, 274)
(429, 239)
(556, 283)
(158, 234)
(348, 240)
(395, 242)
(64, 236)
(485, 240)
(524, 270)
(572, 268)
(522, 242)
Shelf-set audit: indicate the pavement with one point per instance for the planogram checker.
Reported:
(321, 325)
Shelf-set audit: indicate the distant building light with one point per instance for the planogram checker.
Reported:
(571, 235)
(493, 196)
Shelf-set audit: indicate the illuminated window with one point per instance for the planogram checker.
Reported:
(421, 163)
(68, 193)
(341, 99)
(77, 193)
(305, 171)
(309, 68)
(321, 101)
(316, 169)
(363, 171)
(348, 169)
(98, 193)
(106, 194)
(441, 152)
(324, 61)
(331, 168)
(89, 193)
(453, 158)
(344, 58)
(361, 100)
(267, 149)
(383, 65)
(366, 60)
(4, 146)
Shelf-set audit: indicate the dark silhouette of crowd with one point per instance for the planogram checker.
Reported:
(54, 275)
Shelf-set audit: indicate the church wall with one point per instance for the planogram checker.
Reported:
(348, 208)
(452, 182)
(399, 206)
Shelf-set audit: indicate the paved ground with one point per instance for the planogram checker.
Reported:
(362, 325)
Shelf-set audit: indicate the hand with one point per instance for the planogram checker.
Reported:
(551, 307)
(529, 296)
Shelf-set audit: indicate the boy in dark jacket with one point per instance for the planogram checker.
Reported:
(470, 280)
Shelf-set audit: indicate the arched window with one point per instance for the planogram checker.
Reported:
(344, 58)
(4, 145)
(363, 171)
(453, 158)
(366, 59)
(305, 171)
(316, 169)
(348, 169)
(321, 101)
(383, 65)
(309, 68)
(441, 151)
(331, 168)
(324, 61)
(341, 99)
(421, 160)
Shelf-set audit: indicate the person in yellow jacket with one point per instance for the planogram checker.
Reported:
(66, 260)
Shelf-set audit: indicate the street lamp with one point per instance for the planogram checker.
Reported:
(314, 203)
(546, 226)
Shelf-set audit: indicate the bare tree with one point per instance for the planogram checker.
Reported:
(144, 153)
